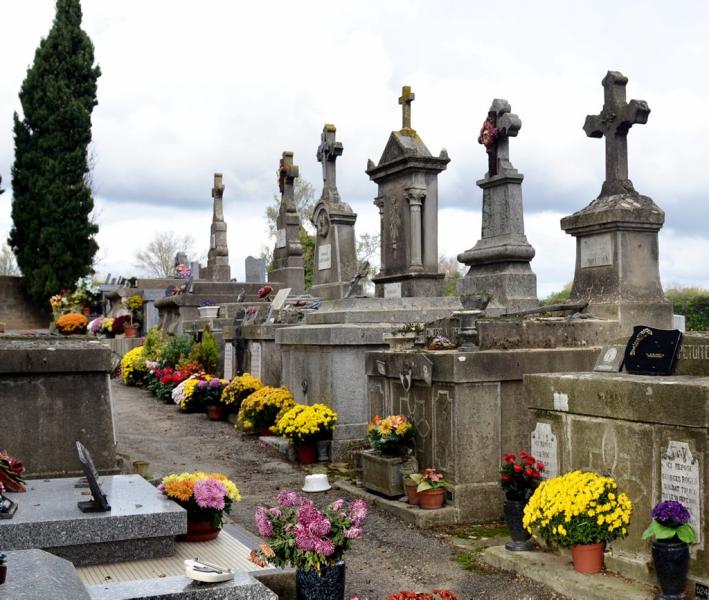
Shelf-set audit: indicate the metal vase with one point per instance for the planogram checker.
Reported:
(671, 558)
(521, 538)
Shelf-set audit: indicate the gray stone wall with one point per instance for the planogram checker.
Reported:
(17, 311)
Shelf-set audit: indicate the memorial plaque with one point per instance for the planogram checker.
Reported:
(281, 238)
(701, 591)
(652, 351)
(545, 449)
(228, 361)
(679, 476)
(99, 503)
(324, 257)
(280, 299)
(392, 290)
(610, 360)
(256, 359)
(596, 251)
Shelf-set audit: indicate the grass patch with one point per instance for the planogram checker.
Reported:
(471, 561)
(476, 532)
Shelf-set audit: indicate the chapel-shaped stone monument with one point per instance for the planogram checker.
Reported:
(407, 176)
(288, 253)
(218, 268)
(617, 270)
(499, 261)
(335, 258)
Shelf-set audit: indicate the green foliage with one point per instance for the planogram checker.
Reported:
(52, 235)
(154, 344)
(693, 303)
(177, 347)
(307, 241)
(663, 532)
(206, 353)
(559, 297)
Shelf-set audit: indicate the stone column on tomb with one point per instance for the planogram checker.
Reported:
(617, 270)
(407, 179)
(218, 268)
(288, 253)
(335, 260)
(499, 261)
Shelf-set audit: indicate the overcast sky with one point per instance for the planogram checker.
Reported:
(190, 88)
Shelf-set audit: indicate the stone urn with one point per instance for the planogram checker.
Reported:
(208, 312)
(383, 474)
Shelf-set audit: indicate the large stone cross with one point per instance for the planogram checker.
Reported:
(406, 98)
(495, 133)
(616, 118)
(287, 174)
(328, 151)
(218, 194)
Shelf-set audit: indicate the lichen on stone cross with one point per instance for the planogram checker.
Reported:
(287, 173)
(327, 154)
(406, 98)
(495, 132)
(613, 123)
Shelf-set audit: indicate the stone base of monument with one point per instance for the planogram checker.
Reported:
(34, 574)
(554, 570)
(142, 523)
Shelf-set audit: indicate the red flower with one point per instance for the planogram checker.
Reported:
(540, 466)
(505, 478)
(536, 474)
(523, 455)
(518, 468)
(529, 472)
(508, 457)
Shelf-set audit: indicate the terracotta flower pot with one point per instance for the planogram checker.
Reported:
(199, 531)
(216, 412)
(433, 498)
(130, 331)
(588, 558)
(412, 496)
(307, 455)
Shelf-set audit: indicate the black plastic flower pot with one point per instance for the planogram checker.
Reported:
(671, 558)
(521, 538)
(328, 585)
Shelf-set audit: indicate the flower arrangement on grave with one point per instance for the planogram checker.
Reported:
(119, 324)
(72, 324)
(391, 436)
(304, 425)
(264, 293)
(520, 476)
(301, 536)
(670, 520)
(183, 271)
(133, 304)
(182, 393)
(106, 327)
(208, 302)
(435, 595)
(579, 507)
(260, 409)
(431, 488)
(205, 496)
(208, 391)
(239, 388)
(133, 367)
(94, 325)
(11, 471)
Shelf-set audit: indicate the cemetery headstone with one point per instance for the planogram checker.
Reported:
(218, 268)
(545, 449)
(499, 261)
(680, 480)
(255, 269)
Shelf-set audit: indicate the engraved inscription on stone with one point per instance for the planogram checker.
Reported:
(281, 238)
(392, 290)
(596, 251)
(680, 480)
(228, 361)
(694, 351)
(256, 359)
(324, 253)
(544, 449)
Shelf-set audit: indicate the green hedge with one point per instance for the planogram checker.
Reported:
(693, 303)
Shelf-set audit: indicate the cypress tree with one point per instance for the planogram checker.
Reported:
(52, 234)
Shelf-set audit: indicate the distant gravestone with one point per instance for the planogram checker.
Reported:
(679, 474)
(99, 502)
(255, 367)
(255, 269)
(228, 361)
(545, 449)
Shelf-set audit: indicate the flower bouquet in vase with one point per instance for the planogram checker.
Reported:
(304, 426)
(519, 477)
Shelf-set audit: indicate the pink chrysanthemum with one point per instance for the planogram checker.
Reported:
(210, 493)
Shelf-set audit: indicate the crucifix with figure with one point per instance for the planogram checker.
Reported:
(328, 151)
(613, 123)
(406, 98)
(499, 126)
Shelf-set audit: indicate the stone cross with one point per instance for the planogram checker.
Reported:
(328, 151)
(499, 126)
(218, 194)
(614, 121)
(287, 174)
(407, 97)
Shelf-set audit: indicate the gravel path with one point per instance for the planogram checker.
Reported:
(391, 556)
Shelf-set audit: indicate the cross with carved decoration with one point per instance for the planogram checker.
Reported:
(406, 98)
(499, 126)
(328, 151)
(613, 123)
(287, 173)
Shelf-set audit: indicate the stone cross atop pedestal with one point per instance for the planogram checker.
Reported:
(406, 98)
(613, 123)
(495, 135)
(218, 268)
(328, 152)
(287, 174)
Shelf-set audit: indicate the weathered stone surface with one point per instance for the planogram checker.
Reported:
(218, 268)
(255, 269)
(383, 474)
(18, 311)
(35, 574)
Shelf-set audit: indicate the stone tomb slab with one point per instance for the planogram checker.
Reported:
(141, 524)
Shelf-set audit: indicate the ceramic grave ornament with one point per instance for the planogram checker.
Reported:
(288, 253)
(407, 179)
(499, 261)
(218, 268)
(335, 258)
(616, 235)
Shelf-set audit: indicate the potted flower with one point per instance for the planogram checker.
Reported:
(239, 388)
(3, 568)
(431, 488)
(670, 548)
(205, 497)
(208, 309)
(133, 304)
(391, 439)
(209, 394)
(580, 510)
(133, 368)
(519, 477)
(403, 338)
(258, 412)
(310, 540)
(72, 324)
(304, 426)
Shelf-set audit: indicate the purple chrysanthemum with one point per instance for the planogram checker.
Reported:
(215, 383)
(265, 527)
(210, 493)
(670, 513)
